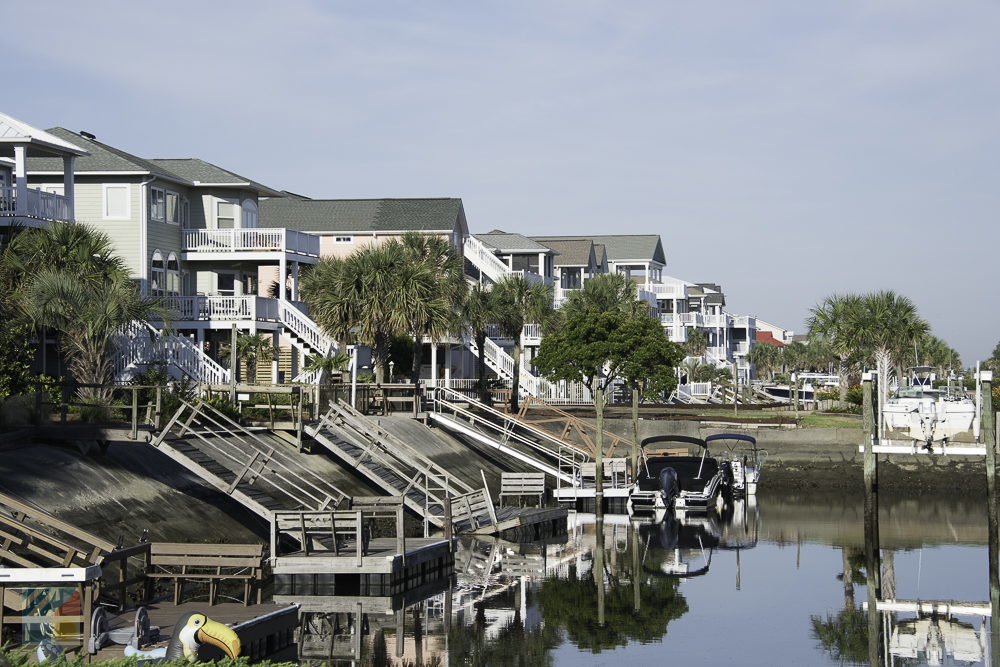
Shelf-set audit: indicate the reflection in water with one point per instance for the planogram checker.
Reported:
(625, 585)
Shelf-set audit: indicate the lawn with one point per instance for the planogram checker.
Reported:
(829, 421)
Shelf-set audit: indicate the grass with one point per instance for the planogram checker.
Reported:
(829, 421)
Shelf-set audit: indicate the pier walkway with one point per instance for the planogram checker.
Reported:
(254, 467)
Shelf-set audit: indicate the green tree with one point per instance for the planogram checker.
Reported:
(605, 293)
(253, 348)
(518, 302)
(374, 295)
(68, 280)
(766, 358)
(697, 343)
(434, 315)
(830, 321)
(477, 314)
(993, 363)
(328, 364)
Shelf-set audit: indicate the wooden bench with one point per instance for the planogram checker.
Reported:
(208, 562)
(521, 484)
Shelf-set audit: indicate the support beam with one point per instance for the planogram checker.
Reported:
(21, 180)
(989, 436)
(69, 178)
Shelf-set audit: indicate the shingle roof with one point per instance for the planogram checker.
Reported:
(200, 172)
(361, 215)
(621, 246)
(102, 158)
(508, 242)
(572, 253)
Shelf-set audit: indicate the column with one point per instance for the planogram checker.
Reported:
(21, 180)
(282, 276)
(295, 281)
(541, 264)
(447, 365)
(434, 363)
(276, 344)
(69, 176)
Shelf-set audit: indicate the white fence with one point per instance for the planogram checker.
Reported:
(226, 308)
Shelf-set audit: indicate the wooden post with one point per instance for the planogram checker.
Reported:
(634, 535)
(298, 422)
(599, 567)
(635, 433)
(159, 407)
(599, 458)
(233, 365)
(989, 435)
(135, 413)
(873, 565)
(63, 400)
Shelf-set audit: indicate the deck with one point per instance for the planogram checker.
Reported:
(381, 557)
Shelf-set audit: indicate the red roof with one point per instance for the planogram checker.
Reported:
(768, 337)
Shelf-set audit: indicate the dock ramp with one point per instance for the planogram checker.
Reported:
(388, 462)
(253, 467)
(533, 446)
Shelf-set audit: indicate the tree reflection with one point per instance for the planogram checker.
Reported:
(513, 646)
(845, 635)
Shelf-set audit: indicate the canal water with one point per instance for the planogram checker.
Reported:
(777, 581)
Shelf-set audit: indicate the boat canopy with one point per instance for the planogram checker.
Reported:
(732, 436)
(685, 439)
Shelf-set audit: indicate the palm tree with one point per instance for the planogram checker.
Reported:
(434, 316)
(328, 365)
(829, 321)
(886, 325)
(765, 357)
(606, 293)
(375, 294)
(697, 343)
(477, 314)
(67, 279)
(519, 301)
(252, 348)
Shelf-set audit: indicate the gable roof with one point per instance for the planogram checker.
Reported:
(13, 130)
(620, 247)
(600, 254)
(102, 158)
(508, 242)
(203, 173)
(573, 252)
(362, 215)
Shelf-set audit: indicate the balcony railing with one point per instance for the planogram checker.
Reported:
(251, 240)
(530, 331)
(224, 308)
(694, 319)
(715, 320)
(663, 290)
(41, 205)
(532, 277)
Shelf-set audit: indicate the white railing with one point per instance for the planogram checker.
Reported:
(142, 345)
(694, 319)
(698, 388)
(503, 365)
(742, 348)
(484, 259)
(647, 296)
(42, 205)
(251, 240)
(662, 290)
(532, 277)
(718, 352)
(530, 332)
(304, 328)
(715, 320)
(744, 321)
(227, 308)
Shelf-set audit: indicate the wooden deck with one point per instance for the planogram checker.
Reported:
(254, 625)
(528, 523)
(380, 557)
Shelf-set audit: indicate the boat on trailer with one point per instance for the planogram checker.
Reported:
(686, 483)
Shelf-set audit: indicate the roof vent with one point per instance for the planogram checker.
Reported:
(88, 135)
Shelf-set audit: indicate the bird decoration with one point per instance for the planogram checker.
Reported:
(192, 631)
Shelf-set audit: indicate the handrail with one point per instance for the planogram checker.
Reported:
(303, 326)
(140, 344)
(572, 422)
(484, 259)
(37, 204)
(250, 239)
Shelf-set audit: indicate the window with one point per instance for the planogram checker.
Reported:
(157, 204)
(116, 202)
(173, 276)
(157, 275)
(185, 212)
(342, 239)
(249, 214)
(226, 284)
(570, 278)
(225, 215)
(173, 208)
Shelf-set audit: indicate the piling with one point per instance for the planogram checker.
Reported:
(989, 435)
(872, 560)
(599, 458)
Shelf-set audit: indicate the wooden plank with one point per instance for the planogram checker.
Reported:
(206, 549)
(51, 521)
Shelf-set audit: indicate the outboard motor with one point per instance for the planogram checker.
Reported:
(669, 485)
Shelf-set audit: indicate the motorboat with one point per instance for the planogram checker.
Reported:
(673, 479)
(745, 460)
(927, 413)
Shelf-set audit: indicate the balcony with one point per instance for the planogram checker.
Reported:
(689, 319)
(715, 320)
(532, 278)
(249, 244)
(664, 290)
(38, 206)
(222, 308)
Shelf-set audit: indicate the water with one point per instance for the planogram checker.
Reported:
(762, 587)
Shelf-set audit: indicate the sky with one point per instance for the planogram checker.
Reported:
(788, 150)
